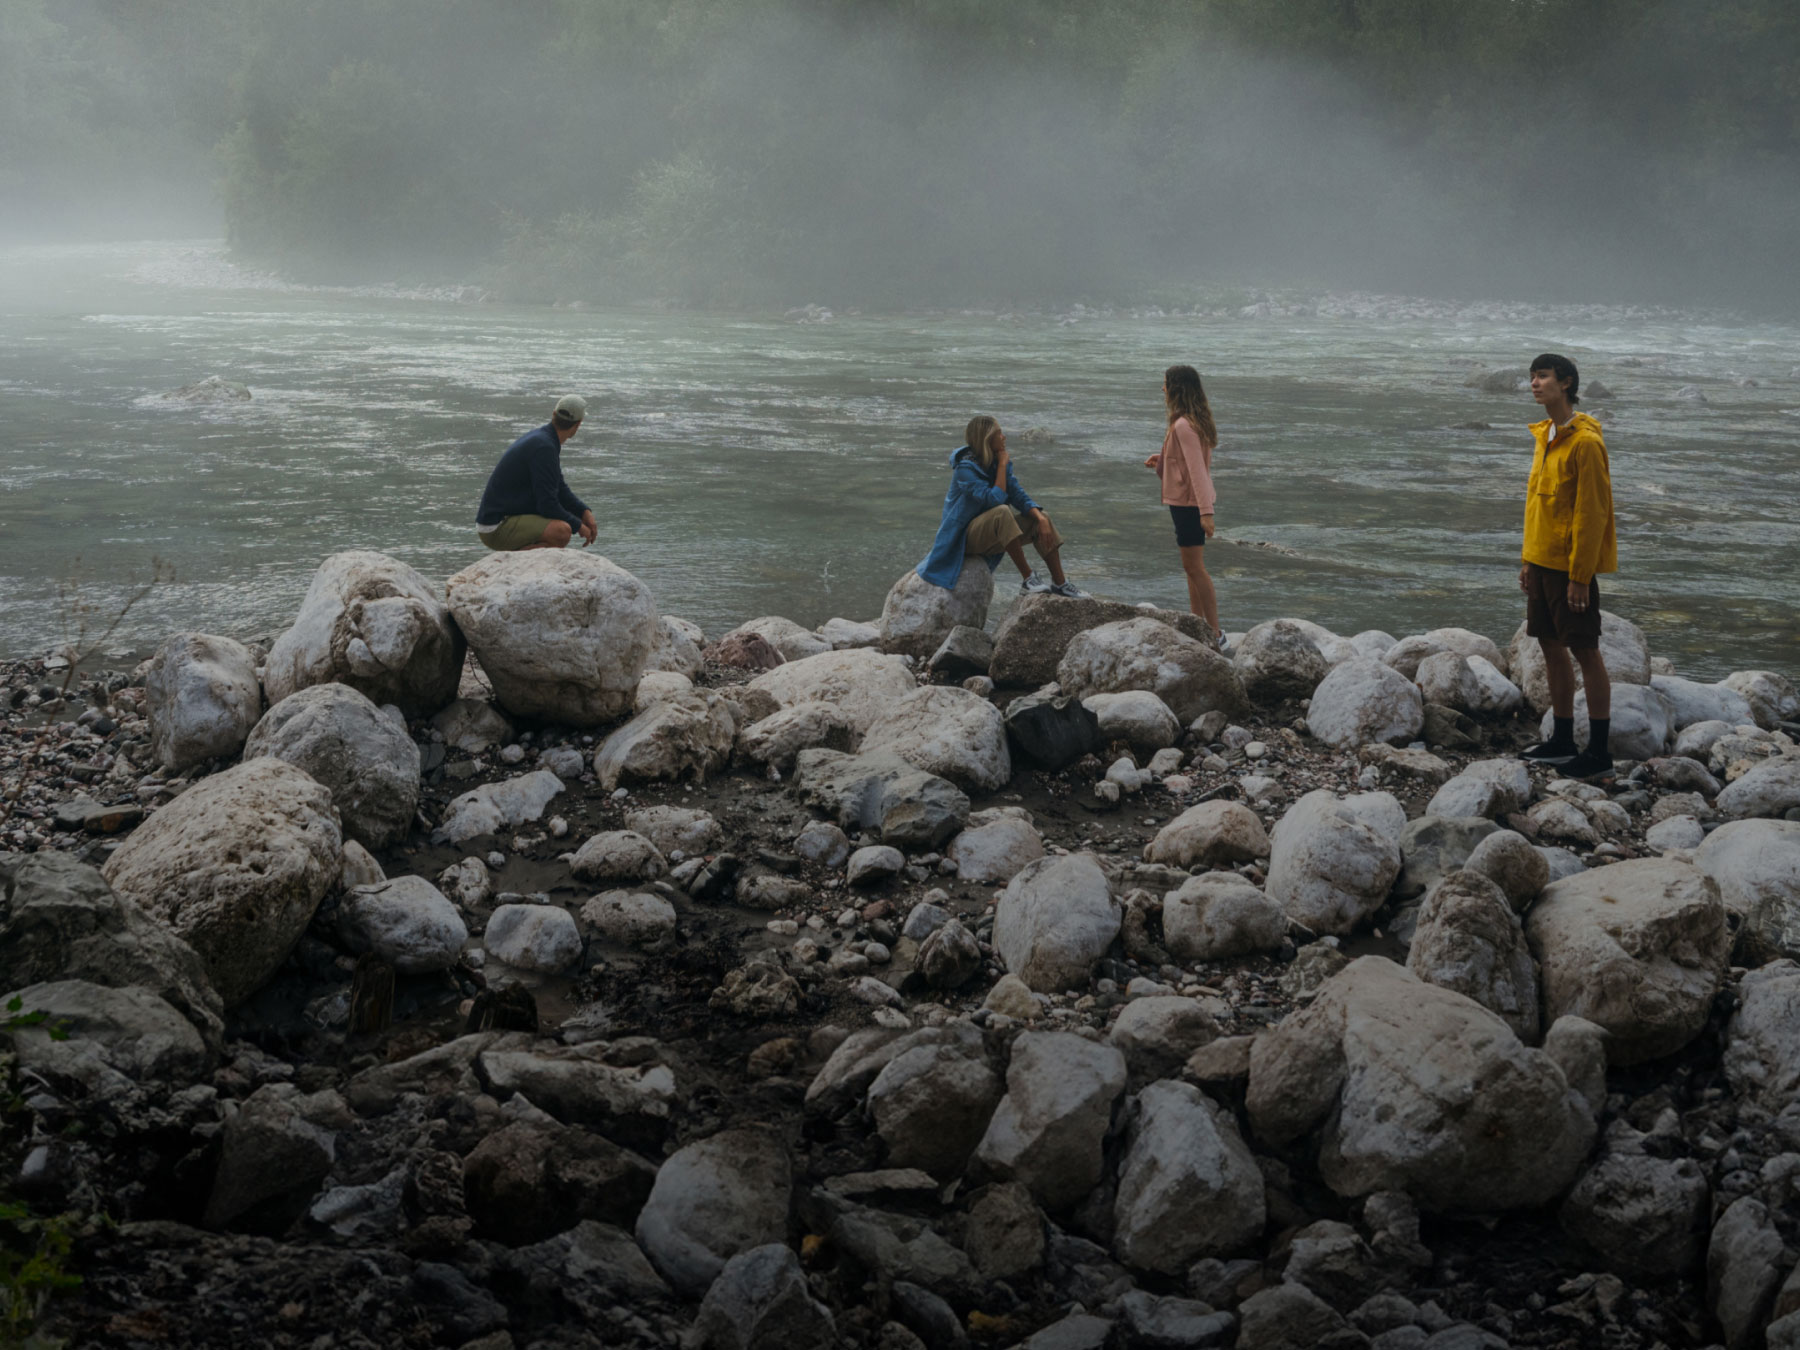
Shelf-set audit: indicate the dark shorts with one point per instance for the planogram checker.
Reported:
(1189, 532)
(1547, 612)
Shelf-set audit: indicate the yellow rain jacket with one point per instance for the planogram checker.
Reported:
(1568, 507)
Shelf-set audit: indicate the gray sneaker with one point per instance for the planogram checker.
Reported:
(1034, 585)
(1070, 590)
(1221, 643)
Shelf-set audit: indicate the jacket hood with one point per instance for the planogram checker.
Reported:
(957, 454)
(1580, 422)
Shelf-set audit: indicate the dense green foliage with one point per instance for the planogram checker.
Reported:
(900, 152)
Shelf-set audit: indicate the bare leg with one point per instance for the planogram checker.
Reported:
(556, 535)
(1559, 672)
(1016, 551)
(1596, 681)
(1053, 560)
(1202, 599)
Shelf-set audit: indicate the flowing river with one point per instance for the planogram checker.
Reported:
(766, 465)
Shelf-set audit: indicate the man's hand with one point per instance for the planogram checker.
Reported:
(589, 530)
(1578, 596)
(1206, 523)
(1154, 462)
(1524, 577)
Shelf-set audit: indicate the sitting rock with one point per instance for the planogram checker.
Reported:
(1137, 717)
(964, 651)
(675, 647)
(630, 918)
(1052, 733)
(950, 956)
(784, 635)
(543, 938)
(494, 807)
(1638, 948)
(745, 651)
(472, 725)
(1623, 649)
(375, 624)
(1772, 698)
(1470, 646)
(657, 685)
(687, 736)
(1508, 859)
(1772, 788)
(1756, 866)
(1049, 1130)
(1697, 740)
(995, 853)
(1332, 861)
(1488, 787)
(917, 616)
(776, 740)
(945, 731)
(276, 1150)
(1680, 774)
(1744, 1261)
(345, 742)
(562, 634)
(1677, 832)
(862, 684)
(1288, 1317)
(407, 922)
(1495, 694)
(713, 1199)
(618, 855)
(1218, 916)
(1469, 939)
(1362, 701)
(1056, 918)
(761, 1299)
(676, 828)
(931, 1103)
(823, 844)
(1144, 654)
(1447, 729)
(1188, 1187)
(110, 1041)
(1277, 660)
(236, 867)
(1213, 834)
(466, 884)
(202, 699)
(1030, 642)
(1642, 727)
(1416, 1088)
(873, 865)
(911, 808)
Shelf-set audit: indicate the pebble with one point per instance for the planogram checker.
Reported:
(496, 859)
(512, 754)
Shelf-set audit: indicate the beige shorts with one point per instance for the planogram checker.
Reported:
(994, 531)
(514, 533)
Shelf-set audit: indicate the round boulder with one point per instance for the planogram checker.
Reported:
(1362, 701)
(917, 616)
(367, 759)
(1191, 678)
(946, 731)
(1279, 660)
(407, 922)
(202, 699)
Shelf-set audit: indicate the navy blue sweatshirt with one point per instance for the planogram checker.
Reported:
(528, 481)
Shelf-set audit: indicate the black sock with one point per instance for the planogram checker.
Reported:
(1598, 730)
(1564, 733)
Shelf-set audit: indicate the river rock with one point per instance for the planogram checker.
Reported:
(1756, 866)
(776, 740)
(1643, 1216)
(407, 922)
(1158, 1034)
(1049, 1130)
(1362, 701)
(562, 634)
(1488, 787)
(1277, 660)
(1051, 733)
(1469, 939)
(1005, 1237)
(1642, 727)
(1762, 1046)
(1772, 698)
(114, 1040)
(656, 686)
(784, 635)
(1772, 788)
(676, 828)
(744, 651)
(1509, 860)
(823, 844)
(995, 853)
(1638, 948)
(1056, 918)
(965, 651)
(945, 731)
(917, 616)
(618, 855)
(1744, 1263)
(1623, 649)
(235, 866)
(1448, 679)
(1289, 1317)
(631, 918)
(863, 684)
(873, 865)
(202, 699)
(1696, 741)
(1470, 645)
(712, 1199)
(931, 1105)
(1218, 916)
(542, 938)
(1332, 861)
(375, 624)
(59, 920)
(1144, 653)
(1406, 655)
(1432, 847)
(1416, 1088)
(761, 1301)
(1496, 695)
(1030, 642)
(675, 646)
(494, 807)
(1137, 717)
(533, 1179)
(275, 1150)
(1188, 1187)
(370, 764)
(910, 807)
(950, 956)
(472, 725)
(1215, 834)
(846, 633)
(687, 736)
(1690, 701)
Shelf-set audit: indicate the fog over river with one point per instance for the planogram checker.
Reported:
(760, 465)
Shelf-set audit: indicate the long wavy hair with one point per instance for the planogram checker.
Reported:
(1186, 397)
(979, 437)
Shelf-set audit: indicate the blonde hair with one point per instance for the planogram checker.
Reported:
(979, 436)
(1186, 397)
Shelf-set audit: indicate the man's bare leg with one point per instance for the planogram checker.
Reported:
(1202, 598)
(1597, 683)
(556, 535)
(1559, 671)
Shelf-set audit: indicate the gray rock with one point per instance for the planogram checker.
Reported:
(995, 853)
(1488, 787)
(276, 1149)
(631, 918)
(950, 956)
(407, 922)
(863, 684)
(475, 725)
(760, 1301)
(112, 1040)
(1772, 698)
(1157, 1034)
(917, 616)
(1188, 1186)
(1643, 726)
(530, 1180)
(1332, 861)
(1643, 1216)
(1509, 860)
(911, 808)
(1756, 865)
(1622, 647)
(1054, 920)
(794, 642)
(676, 646)
(1362, 701)
(1677, 832)
(589, 1270)
(931, 1106)
(1762, 1048)
(1277, 660)
(202, 699)
(1005, 1235)
(1406, 655)
(1049, 1128)
(671, 828)
(617, 855)
(774, 741)
(1286, 1317)
(713, 1199)
(1030, 642)
(1220, 915)
(1693, 702)
(823, 844)
(1173, 1323)
(686, 736)
(1077, 1331)
(1431, 848)
(1137, 717)
(1772, 788)
(945, 731)
(494, 807)
(843, 634)
(1213, 834)
(542, 938)
(1143, 653)
(1743, 1271)
(964, 651)
(1469, 939)
(1333, 1261)
(344, 741)
(873, 865)
(1448, 679)
(903, 1248)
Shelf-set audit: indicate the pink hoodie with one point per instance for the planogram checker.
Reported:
(1186, 468)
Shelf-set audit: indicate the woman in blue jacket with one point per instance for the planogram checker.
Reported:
(986, 513)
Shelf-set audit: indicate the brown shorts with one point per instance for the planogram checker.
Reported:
(991, 531)
(1547, 612)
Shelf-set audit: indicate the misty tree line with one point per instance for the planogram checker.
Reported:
(937, 152)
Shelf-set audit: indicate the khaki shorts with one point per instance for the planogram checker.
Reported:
(993, 531)
(514, 533)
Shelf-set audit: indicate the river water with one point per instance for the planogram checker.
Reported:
(769, 465)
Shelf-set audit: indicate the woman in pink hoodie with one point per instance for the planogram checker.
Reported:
(1184, 464)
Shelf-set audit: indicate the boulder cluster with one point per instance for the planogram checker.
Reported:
(502, 963)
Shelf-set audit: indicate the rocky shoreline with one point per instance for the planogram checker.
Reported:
(502, 963)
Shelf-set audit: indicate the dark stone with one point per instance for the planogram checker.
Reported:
(431, 756)
(458, 1309)
(715, 881)
(934, 1320)
(965, 651)
(745, 651)
(95, 818)
(1051, 734)
(511, 1007)
(530, 1181)
(1447, 729)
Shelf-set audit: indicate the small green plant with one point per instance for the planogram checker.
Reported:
(17, 1018)
(34, 1264)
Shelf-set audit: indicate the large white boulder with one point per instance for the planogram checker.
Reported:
(202, 699)
(712, 1199)
(1771, 788)
(1220, 915)
(1279, 659)
(1416, 1088)
(493, 807)
(862, 683)
(364, 756)
(1638, 948)
(1488, 787)
(1056, 918)
(1407, 654)
(917, 616)
(1332, 861)
(563, 634)
(407, 922)
(1643, 726)
(373, 623)
(1146, 654)
(794, 642)
(236, 866)
(686, 736)
(1756, 866)
(1189, 1187)
(1469, 939)
(1690, 702)
(1216, 833)
(947, 731)
(1362, 701)
(1623, 648)
(1772, 698)
(1050, 1129)
(541, 938)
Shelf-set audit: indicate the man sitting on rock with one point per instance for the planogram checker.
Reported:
(527, 503)
(1569, 538)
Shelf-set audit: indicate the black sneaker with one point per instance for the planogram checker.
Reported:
(1548, 752)
(1589, 764)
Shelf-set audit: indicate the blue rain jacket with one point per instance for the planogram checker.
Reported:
(972, 491)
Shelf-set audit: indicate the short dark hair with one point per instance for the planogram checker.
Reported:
(1563, 369)
(562, 422)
